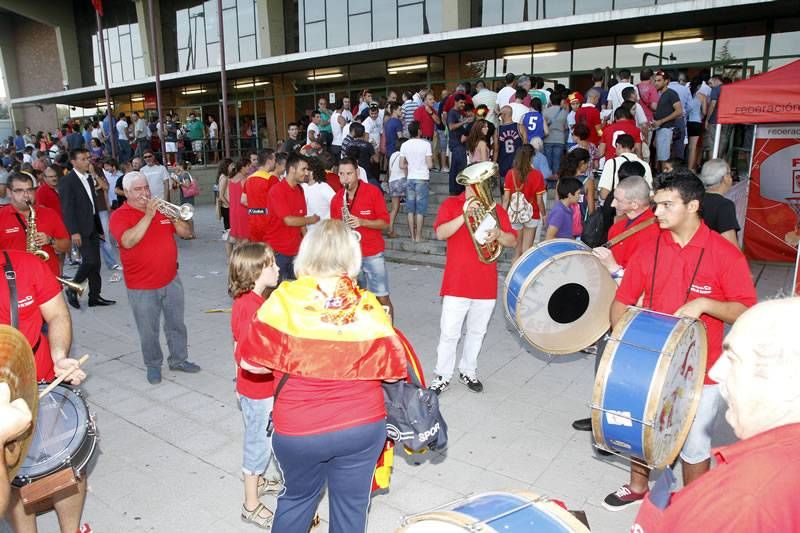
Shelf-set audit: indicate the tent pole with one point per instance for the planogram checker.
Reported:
(717, 134)
(794, 278)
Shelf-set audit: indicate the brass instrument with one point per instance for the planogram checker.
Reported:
(346, 219)
(182, 212)
(478, 207)
(32, 247)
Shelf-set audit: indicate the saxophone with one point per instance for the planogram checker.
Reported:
(30, 235)
(346, 220)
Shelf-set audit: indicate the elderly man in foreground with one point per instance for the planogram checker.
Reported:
(755, 482)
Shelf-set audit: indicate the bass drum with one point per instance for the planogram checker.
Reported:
(558, 296)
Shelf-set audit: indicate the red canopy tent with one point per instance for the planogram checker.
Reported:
(772, 98)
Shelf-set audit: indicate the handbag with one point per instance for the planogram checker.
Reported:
(520, 210)
(192, 190)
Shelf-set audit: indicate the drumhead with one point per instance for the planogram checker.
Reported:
(61, 431)
(562, 306)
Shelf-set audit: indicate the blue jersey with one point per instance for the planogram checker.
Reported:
(534, 124)
(508, 142)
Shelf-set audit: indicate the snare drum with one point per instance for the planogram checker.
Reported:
(496, 512)
(558, 296)
(648, 386)
(64, 436)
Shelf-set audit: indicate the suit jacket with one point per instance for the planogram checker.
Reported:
(76, 207)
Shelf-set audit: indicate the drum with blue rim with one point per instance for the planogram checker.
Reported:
(648, 386)
(490, 512)
(558, 296)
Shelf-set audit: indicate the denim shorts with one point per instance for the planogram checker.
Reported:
(397, 188)
(417, 197)
(663, 143)
(532, 223)
(697, 447)
(374, 276)
(257, 446)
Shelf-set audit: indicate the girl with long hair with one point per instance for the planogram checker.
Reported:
(522, 177)
(477, 142)
(224, 174)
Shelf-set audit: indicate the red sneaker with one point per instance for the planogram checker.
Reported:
(622, 498)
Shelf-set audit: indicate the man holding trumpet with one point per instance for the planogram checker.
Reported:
(144, 228)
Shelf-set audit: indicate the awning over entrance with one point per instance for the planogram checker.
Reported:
(771, 97)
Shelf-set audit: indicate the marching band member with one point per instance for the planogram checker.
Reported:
(687, 271)
(15, 419)
(469, 291)
(755, 482)
(368, 216)
(149, 258)
(256, 189)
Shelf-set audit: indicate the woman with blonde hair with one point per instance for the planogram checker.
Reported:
(329, 345)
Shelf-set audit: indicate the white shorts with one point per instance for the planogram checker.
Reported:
(532, 223)
(170, 147)
(197, 146)
(697, 447)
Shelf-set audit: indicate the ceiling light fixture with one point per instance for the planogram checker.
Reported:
(673, 42)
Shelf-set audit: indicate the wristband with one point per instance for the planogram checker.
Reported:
(618, 273)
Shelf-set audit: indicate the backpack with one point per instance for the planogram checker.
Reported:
(413, 418)
(577, 220)
(520, 210)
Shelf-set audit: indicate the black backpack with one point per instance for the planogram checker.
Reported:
(413, 419)
(596, 225)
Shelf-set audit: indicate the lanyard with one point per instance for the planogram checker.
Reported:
(655, 267)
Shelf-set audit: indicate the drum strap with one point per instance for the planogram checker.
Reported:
(13, 304)
(691, 281)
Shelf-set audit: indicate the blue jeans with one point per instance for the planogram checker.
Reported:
(257, 446)
(345, 460)
(106, 249)
(417, 192)
(374, 276)
(124, 151)
(286, 265)
(553, 153)
(458, 162)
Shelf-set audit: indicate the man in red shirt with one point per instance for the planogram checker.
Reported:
(589, 114)
(47, 192)
(368, 216)
(623, 125)
(427, 117)
(256, 189)
(51, 234)
(39, 301)
(469, 290)
(755, 482)
(692, 272)
(149, 257)
(286, 215)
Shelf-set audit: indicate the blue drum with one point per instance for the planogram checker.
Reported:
(558, 296)
(648, 386)
(491, 512)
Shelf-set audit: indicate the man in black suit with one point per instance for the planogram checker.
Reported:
(78, 205)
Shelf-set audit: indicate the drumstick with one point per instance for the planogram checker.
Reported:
(61, 378)
(219, 310)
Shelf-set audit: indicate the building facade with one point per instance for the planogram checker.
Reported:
(283, 55)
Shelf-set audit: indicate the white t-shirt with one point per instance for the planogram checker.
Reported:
(415, 152)
(373, 129)
(318, 199)
(615, 95)
(607, 178)
(395, 172)
(488, 98)
(518, 111)
(156, 176)
(312, 127)
(504, 96)
(212, 130)
(122, 130)
(97, 133)
(362, 174)
(336, 128)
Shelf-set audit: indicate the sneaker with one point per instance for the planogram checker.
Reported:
(472, 382)
(153, 375)
(185, 366)
(622, 498)
(591, 350)
(439, 385)
(117, 267)
(115, 278)
(224, 236)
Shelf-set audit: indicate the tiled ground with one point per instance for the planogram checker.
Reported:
(170, 454)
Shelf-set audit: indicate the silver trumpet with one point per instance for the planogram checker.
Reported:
(183, 212)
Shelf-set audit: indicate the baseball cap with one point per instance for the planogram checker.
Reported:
(374, 105)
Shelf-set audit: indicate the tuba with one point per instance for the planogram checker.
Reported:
(33, 248)
(479, 210)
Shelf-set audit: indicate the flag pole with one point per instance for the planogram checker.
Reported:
(224, 81)
(98, 11)
(156, 69)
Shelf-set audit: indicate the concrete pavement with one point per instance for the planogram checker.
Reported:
(170, 454)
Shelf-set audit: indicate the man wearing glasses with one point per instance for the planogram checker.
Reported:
(156, 174)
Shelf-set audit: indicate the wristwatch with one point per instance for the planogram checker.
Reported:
(51, 241)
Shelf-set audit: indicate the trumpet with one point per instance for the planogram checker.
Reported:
(79, 288)
(182, 212)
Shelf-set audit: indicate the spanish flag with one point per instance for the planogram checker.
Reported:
(302, 331)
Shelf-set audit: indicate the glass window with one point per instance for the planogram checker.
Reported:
(623, 4)
(687, 46)
(247, 48)
(515, 59)
(410, 18)
(247, 18)
(631, 49)
(492, 16)
(775, 63)
(593, 53)
(513, 11)
(337, 28)
(785, 36)
(315, 36)
(434, 12)
(740, 40)
(556, 8)
(592, 6)
(477, 64)
(358, 6)
(551, 57)
(386, 28)
(361, 28)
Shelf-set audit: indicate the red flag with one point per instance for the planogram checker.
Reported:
(98, 6)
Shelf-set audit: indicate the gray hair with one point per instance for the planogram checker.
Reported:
(591, 93)
(714, 171)
(328, 249)
(130, 177)
(635, 188)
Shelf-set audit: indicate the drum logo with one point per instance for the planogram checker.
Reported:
(619, 418)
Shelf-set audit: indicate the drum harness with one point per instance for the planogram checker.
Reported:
(655, 267)
(13, 304)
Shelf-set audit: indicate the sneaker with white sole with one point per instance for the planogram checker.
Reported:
(439, 385)
(623, 497)
(472, 382)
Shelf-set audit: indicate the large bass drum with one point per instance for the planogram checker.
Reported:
(558, 296)
(648, 386)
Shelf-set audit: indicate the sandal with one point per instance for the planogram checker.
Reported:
(257, 516)
(269, 486)
(314, 522)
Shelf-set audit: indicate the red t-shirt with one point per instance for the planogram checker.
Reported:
(153, 262)
(753, 487)
(589, 115)
(722, 274)
(334, 181)
(13, 232)
(308, 406)
(48, 197)
(623, 250)
(368, 204)
(257, 187)
(248, 384)
(648, 94)
(533, 187)
(612, 131)
(451, 101)
(464, 274)
(426, 124)
(238, 212)
(285, 200)
(36, 285)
